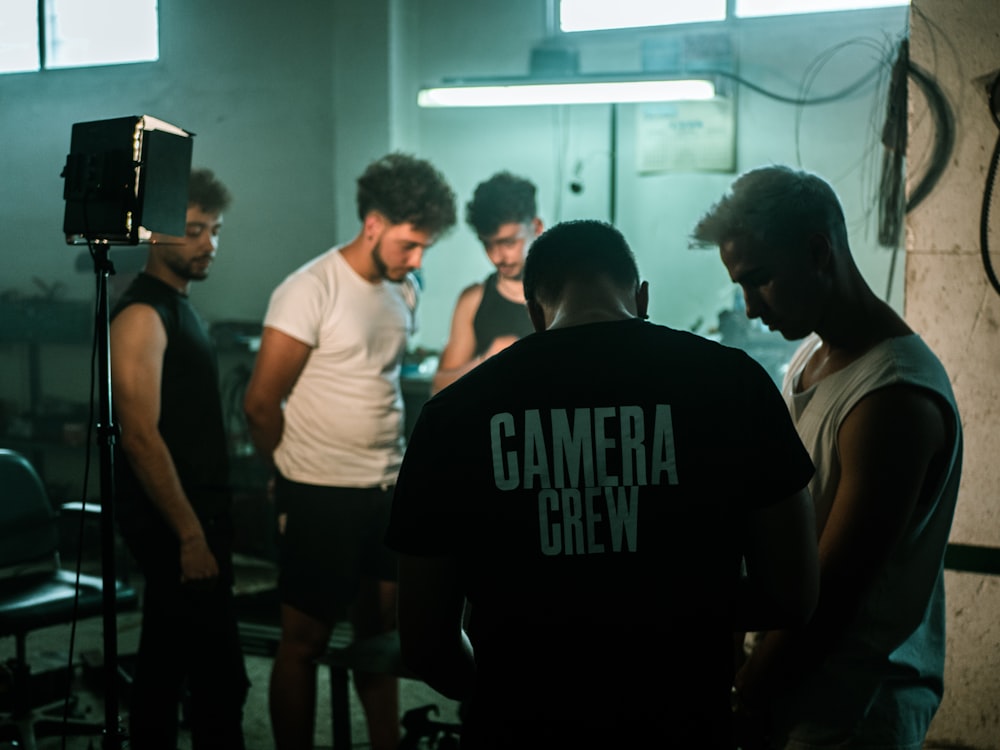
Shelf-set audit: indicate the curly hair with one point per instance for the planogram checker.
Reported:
(583, 250)
(407, 190)
(502, 199)
(772, 205)
(208, 192)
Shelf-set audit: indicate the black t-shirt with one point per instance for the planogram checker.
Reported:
(592, 482)
(191, 416)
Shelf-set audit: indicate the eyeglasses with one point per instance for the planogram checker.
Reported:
(505, 243)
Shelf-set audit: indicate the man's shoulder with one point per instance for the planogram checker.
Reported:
(317, 274)
(915, 365)
(145, 288)
(147, 299)
(470, 297)
(907, 360)
(319, 265)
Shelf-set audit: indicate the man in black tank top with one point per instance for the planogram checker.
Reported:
(490, 315)
(174, 503)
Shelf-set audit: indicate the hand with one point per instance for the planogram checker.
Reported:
(197, 561)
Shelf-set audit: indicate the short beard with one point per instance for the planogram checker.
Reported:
(185, 270)
(381, 267)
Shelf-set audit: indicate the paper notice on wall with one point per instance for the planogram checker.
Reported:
(697, 136)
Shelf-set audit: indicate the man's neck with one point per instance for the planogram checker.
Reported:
(858, 322)
(168, 277)
(583, 309)
(863, 324)
(511, 289)
(358, 254)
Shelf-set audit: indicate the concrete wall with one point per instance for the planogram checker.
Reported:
(796, 57)
(951, 303)
(289, 101)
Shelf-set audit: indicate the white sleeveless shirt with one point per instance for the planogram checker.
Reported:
(885, 680)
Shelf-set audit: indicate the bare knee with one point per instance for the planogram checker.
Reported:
(303, 638)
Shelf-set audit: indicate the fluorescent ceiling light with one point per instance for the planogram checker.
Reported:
(595, 92)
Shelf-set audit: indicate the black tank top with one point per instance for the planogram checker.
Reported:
(498, 316)
(191, 416)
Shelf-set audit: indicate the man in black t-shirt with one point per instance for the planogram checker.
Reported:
(593, 492)
(174, 503)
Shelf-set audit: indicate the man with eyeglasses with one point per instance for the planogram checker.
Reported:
(489, 316)
(174, 505)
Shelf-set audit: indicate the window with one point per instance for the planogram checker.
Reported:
(19, 50)
(591, 15)
(76, 33)
(748, 8)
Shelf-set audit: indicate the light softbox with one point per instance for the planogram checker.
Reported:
(124, 179)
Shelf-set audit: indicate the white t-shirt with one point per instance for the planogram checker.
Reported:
(344, 416)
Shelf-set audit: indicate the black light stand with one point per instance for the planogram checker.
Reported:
(107, 435)
(124, 178)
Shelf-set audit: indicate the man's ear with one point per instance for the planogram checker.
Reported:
(374, 224)
(642, 300)
(821, 250)
(537, 226)
(537, 315)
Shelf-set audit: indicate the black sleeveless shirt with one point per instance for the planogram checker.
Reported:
(498, 316)
(191, 416)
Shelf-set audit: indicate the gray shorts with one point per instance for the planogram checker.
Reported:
(334, 537)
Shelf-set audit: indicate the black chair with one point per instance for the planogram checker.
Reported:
(36, 592)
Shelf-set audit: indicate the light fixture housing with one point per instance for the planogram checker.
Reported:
(530, 91)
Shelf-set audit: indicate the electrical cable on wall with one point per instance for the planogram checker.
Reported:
(944, 134)
(800, 101)
(944, 141)
(892, 186)
(991, 175)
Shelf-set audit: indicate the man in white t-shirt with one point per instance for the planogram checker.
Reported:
(324, 404)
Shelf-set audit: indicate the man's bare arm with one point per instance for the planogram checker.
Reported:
(782, 577)
(279, 363)
(888, 445)
(458, 356)
(138, 343)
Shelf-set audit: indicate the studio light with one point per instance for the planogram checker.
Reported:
(126, 178)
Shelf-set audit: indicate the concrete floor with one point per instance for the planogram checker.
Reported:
(49, 649)
(48, 652)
